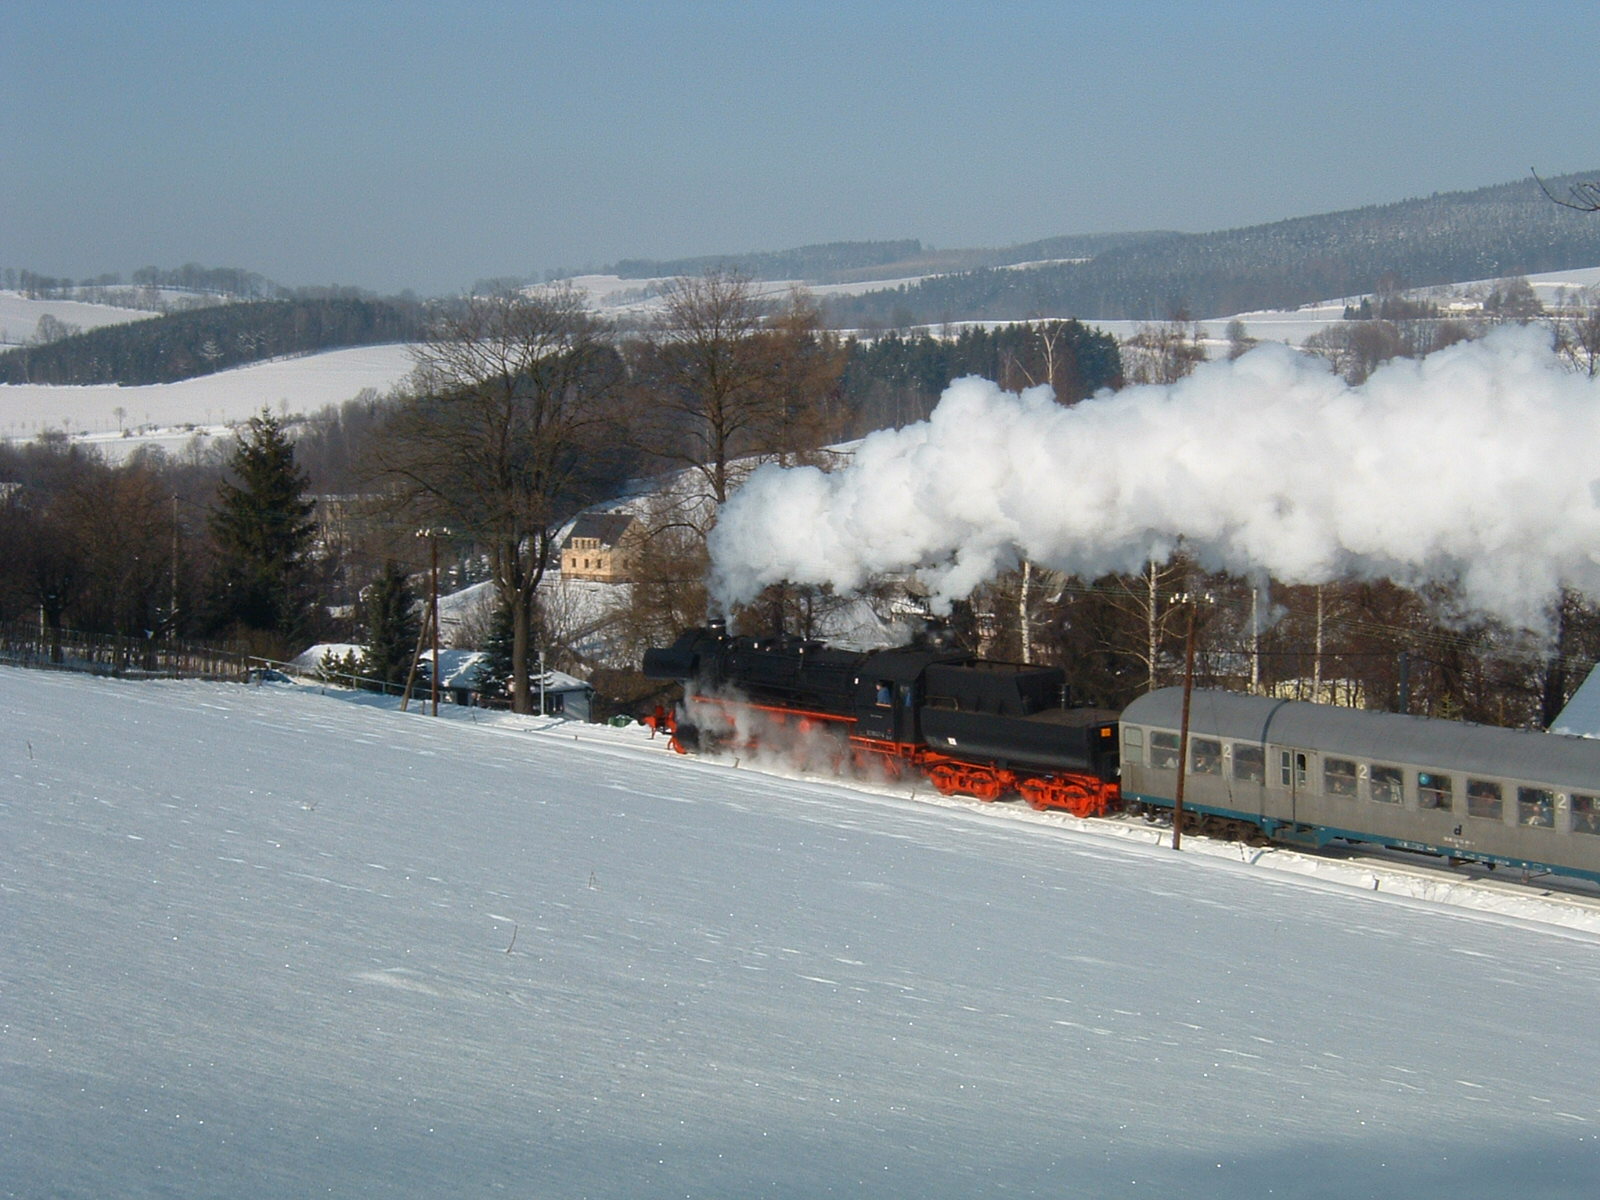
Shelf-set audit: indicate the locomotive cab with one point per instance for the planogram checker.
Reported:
(889, 693)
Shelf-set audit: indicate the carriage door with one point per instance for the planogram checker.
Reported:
(1294, 777)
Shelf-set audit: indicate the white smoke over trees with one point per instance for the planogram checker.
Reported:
(1475, 466)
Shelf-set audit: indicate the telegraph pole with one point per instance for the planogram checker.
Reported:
(1183, 732)
(433, 616)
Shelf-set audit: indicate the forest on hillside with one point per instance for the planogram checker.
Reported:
(1508, 230)
(198, 341)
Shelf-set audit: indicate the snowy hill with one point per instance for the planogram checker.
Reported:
(19, 316)
(159, 412)
(264, 941)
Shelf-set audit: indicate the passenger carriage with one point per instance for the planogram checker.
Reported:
(1315, 774)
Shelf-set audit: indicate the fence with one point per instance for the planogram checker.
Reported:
(29, 645)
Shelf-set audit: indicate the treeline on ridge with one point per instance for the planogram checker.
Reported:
(1508, 230)
(199, 341)
(843, 262)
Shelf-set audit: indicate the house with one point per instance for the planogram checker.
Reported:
(600, 548)
(555, 694)
(460, 679)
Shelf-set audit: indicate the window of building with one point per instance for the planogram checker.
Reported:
(1536, 807)
(1388, 784)
(1249, 764)
(1484, 800)
(1339, 777)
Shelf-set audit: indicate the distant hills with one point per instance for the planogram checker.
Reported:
(183, 345)
(1507, 230)
(856, 262)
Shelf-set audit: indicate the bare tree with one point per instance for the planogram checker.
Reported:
(1164, 352)
(1240, 342)
(1357, 348)
(1578, 341)
(1585, 195)
(504, 416)
(729, 379)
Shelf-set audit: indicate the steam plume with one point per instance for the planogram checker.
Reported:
(1479, 464)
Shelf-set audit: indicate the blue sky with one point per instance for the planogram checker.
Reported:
(424, 146)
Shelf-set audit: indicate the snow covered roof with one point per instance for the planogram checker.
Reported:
(1581, 716)
(461, 669)
(608, 528)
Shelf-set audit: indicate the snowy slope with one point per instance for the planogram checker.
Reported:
(259, 941)
(304, 384)
(19, 316)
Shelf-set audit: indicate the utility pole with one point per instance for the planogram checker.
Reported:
(172, 609)
(1183, 732)
(433, 616)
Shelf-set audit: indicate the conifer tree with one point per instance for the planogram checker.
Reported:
(392, 628)
(494, 677)
(263, 531)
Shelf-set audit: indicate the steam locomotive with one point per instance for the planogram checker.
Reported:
(972, 726)
(1254, 767)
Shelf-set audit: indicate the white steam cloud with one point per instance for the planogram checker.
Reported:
(1479, 464)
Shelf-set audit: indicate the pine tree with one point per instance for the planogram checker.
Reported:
(263, 531)
(392, 628)
(494, 676)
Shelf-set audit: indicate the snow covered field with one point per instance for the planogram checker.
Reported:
(160, 413)
(296, 385)
(19, 316)
(261, 941)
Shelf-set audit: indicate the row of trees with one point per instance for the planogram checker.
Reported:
(1360, 643)
(153, 548)
(198, 341)
(522, 409)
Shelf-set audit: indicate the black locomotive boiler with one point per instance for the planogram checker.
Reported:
(972, 726)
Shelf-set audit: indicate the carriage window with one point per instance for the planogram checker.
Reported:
(1205, 756)
(1249, 763)
(1338, 777)
(1537, 807)
(1164, 751)
(1433, 791)
(1388, 784)
(1483, 800)
(1585, 814)
(1132, 743)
